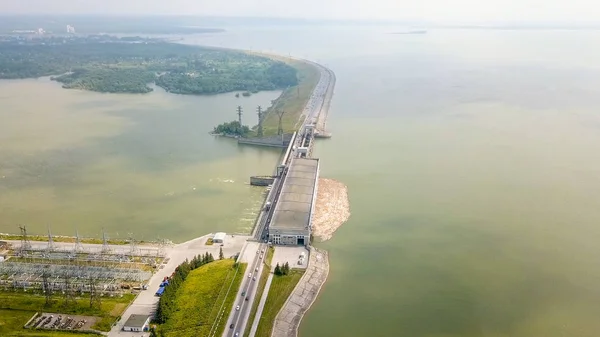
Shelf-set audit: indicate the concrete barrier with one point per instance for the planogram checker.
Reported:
(261, 180)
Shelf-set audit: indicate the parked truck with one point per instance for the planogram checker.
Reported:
(160, 291)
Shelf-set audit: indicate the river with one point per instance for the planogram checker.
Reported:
(469, 155)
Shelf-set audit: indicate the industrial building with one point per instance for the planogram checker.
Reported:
(137, 323)
(219, 237)
(292, 217)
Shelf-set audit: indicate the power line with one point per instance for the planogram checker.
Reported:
(260, 119)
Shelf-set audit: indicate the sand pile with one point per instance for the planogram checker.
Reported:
(332, 208)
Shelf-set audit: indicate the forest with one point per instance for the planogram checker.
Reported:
(128, 65)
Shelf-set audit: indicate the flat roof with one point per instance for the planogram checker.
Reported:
(219, 236)
(136, 320)
(295, 201)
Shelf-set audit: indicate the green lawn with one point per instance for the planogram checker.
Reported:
(64, 239)
(17, 308)
(12, 321)
(281, 288)
(198, 300)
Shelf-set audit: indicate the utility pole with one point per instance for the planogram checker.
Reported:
(25, 244)
(132, 246)
(51, 246)
(94, 296)
(239, 113)
(78, 246)
(105, 247)
(280, 114)
(260, 118)
(67, 291)
(46, 287)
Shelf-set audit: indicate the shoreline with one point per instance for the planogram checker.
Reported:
(296, 104)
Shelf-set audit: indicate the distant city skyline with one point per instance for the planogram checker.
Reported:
(440, 11)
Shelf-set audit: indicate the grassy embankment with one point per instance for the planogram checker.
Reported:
(293, 99)
(281, 288)
(261, 287)
(70, 239)
(17, 308)
(200, 297)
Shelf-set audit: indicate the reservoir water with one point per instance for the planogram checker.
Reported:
(469, 155)
(141, 165)
(474, 184)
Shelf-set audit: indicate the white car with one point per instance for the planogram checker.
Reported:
(249, 275)
(237, 308)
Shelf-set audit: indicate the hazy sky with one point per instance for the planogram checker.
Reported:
(431, 10)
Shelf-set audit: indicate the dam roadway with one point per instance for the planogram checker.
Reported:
(304, 138)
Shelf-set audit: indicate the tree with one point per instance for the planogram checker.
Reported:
(286, 268)
(277, 269)
(221, 257)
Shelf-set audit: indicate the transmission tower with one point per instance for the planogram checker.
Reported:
(105, 247)
(280, 114)
(260, 118)
(132, 246)
(94, 295)
(46, 287)
(162, 244)
(25, 244)
(239, 113)
(51, 246)
(67, 291)
(78, 248)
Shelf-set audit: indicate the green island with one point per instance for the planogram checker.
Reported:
(109, 64)
(128, 65)
(292, 102)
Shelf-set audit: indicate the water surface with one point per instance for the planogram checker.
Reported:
(470, 158)
(131, 164)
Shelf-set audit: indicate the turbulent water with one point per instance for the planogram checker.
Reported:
(470, 159)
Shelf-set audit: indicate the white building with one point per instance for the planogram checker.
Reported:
(219, 237)
(70, 29)
(137, 323)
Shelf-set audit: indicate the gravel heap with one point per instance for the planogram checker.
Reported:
(332, 208)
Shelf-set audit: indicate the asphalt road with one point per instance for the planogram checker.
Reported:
(239, 317)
